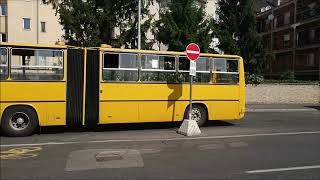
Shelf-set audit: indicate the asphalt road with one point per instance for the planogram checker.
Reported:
(265, 145)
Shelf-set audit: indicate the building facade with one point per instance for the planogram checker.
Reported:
(290, 30)
(32, 21)
(29, 21)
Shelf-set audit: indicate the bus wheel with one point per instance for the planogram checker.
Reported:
(19, 121)
(199, 114)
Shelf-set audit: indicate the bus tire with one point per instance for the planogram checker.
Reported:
(200, 113)
(19, 121)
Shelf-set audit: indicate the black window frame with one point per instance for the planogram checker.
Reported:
(119, 68)
(7, 65)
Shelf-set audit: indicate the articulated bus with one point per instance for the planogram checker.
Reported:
(44, 85)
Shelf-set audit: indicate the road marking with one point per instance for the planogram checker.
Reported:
(282, 110)
(211, 146)
(283, 169)
(160, 139)
(20, 153)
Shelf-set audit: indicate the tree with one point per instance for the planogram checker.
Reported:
(183, 22)
(237, 34)
(92, 22)
(128, 27)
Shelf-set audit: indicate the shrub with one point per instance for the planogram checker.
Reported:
(254, 79)
(288, 75)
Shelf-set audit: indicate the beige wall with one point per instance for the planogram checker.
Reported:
(2, 24)
(54, 29)
(17, 10)
(3, 20)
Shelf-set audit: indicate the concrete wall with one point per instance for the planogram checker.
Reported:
(282, 94)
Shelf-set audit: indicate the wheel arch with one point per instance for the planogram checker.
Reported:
(204, 105)
(19, 105)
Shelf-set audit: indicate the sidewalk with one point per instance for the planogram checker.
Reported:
(282, 107)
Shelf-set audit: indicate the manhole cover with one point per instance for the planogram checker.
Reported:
(108, 156)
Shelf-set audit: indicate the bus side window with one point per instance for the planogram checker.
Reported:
(202, 74)
(203, 70)
(225, 71)
(120, 67)
(183, 71)
(3, 63)
(157, 68)
(36, 64)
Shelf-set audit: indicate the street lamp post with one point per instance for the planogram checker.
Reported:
(139, 25)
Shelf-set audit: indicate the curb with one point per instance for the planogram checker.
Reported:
(282, 110)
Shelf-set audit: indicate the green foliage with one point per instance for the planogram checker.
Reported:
(254, 79)
(128, 26)
(288, 75)
(236, 31)
(92, 22)
(80, 22)
(182, 22)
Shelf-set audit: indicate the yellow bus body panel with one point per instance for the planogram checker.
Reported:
(47, 98)
(121, 103)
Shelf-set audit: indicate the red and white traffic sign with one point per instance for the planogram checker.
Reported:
(193, 51)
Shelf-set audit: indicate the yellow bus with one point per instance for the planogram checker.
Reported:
(44, 85)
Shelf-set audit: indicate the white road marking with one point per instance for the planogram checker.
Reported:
(160, 139)
(283, 169)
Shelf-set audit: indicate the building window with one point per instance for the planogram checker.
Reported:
(43, 27)
(3, 9)
(287, 18)
(275, 22)
(312, 34)
(310, 60)
(286, 39)
(26, 23)
(3, 37)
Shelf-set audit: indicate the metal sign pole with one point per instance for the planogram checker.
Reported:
(189, 127)
(190, 102)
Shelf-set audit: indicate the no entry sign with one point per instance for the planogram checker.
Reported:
(193, 51)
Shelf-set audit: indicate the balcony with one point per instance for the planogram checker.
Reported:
(308, 35)
(283, 40)
(308, 9)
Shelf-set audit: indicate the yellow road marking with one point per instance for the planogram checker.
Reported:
(20, 153)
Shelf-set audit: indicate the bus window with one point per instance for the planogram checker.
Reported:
(184, 67)
(225, 71)
(3, 63)
(120, 67)
(157, 68)
(36, 64)
(203, 71)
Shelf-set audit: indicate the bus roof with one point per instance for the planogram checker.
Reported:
(33, 45)
(116, 50)
(165, 52)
